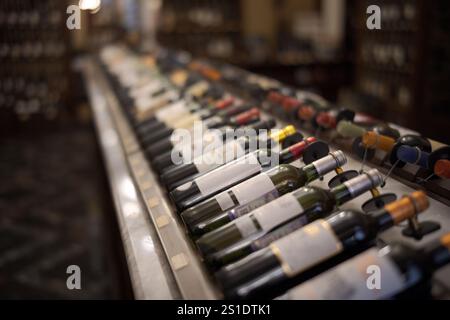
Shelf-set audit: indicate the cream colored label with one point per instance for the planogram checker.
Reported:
(228, 174)
(368, 276)
(185, 123)
(146, 104)
(277, 212)
(147, 89)
(306, 247)
(175, 109)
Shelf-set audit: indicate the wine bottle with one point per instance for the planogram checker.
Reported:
(167, 116)
(234, 172)
(317, 246)
(177, 173)
(188, 123)
(402, 269)
(164, 163)
(305, 204)
(241, 119)
(213, 212)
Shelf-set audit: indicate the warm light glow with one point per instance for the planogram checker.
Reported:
(92, 5)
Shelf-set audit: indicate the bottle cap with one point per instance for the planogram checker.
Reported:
(280, 135)
(330, 162)
(442, 168)
(275, 97)
(408, 206)
(224, 103)
(297, 149)
(179, 77)
(445, 240)
(306, 112)
(290, 103)
(348, 129)
(375, 176)
(261, 125)
(373, 140)
(408, 154)
(326, 120)
(247, 116)
(340, 157)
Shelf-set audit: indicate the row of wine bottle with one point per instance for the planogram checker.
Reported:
(258, 225)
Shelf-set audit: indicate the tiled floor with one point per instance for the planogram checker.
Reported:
(55, 212)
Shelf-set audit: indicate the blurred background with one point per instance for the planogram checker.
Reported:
(54, 196)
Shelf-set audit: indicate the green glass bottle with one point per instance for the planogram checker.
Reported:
(307, 204)
(255, 192)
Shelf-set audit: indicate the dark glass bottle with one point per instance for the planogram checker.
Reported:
(214, 212)
(187, 122)
(234, 172)
(174, 175)
(162, 117)
(306, 204)
(241, 119)
(299, 255)
(402, 269)
(163, 163)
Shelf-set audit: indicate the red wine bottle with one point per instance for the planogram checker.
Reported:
(164, 163)
(188, 122)
(301, 254)
(234, 172)
(241, 119)
(214, 212)
(177, 173)
(402, 269)
(267, 223)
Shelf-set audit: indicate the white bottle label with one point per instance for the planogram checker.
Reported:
(146, 104)
(246, 226)
(354, 279)
(306, 247)
(228, 174)
(146, 90)
(185, 123)
(277, 212)
(224, 200)
(215, 158)
(254, 204)
(175, 109)
(246, 191)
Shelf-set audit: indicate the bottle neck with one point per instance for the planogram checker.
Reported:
(352, 188)
(296, 151)
(324, 165)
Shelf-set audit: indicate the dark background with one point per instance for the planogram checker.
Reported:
(54, 197)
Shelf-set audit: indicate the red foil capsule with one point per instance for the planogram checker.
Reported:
(275, 97)
(306, 112)
(245, 117)
(224, 103)
(297, 149)
(326, 120)
(290, 103)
